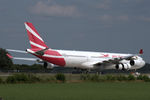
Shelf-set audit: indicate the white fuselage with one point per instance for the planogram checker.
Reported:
(85, 59)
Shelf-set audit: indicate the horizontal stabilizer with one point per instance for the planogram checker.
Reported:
(18, 51)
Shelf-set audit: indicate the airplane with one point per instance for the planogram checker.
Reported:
(76, 59)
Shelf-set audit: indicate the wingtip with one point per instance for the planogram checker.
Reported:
(141, 51)
(9, 56)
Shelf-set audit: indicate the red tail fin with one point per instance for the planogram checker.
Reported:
(35, 40)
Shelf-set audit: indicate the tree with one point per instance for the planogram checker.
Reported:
(5, 61)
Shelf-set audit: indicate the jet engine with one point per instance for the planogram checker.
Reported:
(134, 62)
(123, 66)
(127, 64)
(48, 65)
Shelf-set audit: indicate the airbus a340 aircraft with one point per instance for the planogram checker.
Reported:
(77, 59)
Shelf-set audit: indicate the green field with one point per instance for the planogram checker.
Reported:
(77, 91)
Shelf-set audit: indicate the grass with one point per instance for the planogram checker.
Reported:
(77, 91)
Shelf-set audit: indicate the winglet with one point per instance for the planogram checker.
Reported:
(9, 56)
(141, 51)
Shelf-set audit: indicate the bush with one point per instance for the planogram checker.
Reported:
(1, 81)
(50, 79)
(102, 78)
(85, 77)
(60, 77)
(11, 79)
(140, 77)
(94, 77)
(121, 78)
(32, 78)
(22, 78)
(17, 78)
(110, 78)
(144, 78)
(5, 61)
(131, 78)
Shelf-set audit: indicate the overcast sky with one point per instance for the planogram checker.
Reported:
(121, 26)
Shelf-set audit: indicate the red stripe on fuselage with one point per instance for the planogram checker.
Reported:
(54, 60)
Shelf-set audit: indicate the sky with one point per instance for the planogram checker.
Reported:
(121, 26)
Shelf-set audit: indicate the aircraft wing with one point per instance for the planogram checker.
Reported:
(117, 60)
(114, 60)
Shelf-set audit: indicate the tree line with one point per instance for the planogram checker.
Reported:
(7, 64)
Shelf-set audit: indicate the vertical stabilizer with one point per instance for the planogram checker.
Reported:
(35, 40)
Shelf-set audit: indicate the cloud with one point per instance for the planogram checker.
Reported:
(123, 18)
(135, 1)
(106, 18)
(50, 9)
(143, 18)
(110, 18)
(105, 4)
